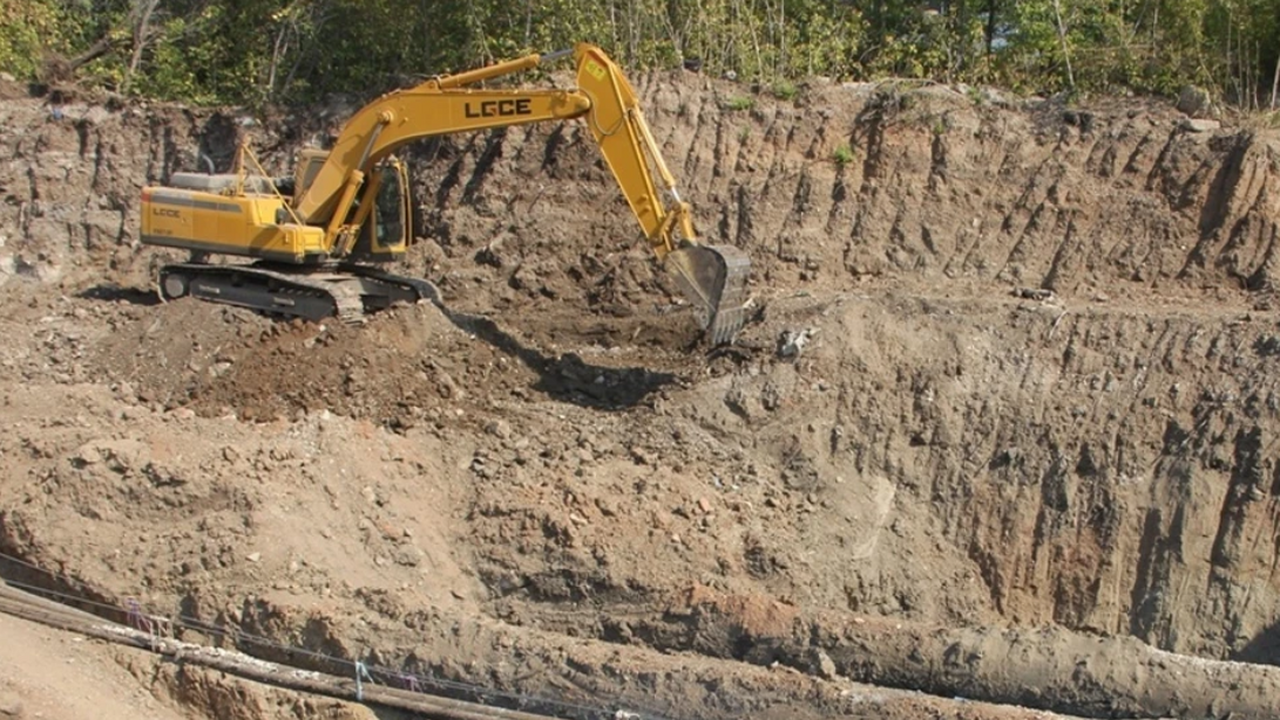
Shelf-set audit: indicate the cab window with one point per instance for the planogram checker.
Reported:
(390, 220)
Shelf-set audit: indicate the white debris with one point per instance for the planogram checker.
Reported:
(791, 343)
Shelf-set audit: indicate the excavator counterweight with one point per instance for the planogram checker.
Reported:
(313, 238)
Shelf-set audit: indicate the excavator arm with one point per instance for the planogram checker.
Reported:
(713, 277)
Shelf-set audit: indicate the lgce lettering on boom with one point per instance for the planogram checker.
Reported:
(500, 108)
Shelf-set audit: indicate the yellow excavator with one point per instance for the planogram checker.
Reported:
(317, 238)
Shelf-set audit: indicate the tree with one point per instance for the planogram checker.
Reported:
(253, 51)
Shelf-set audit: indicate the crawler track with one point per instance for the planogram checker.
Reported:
(346, 292)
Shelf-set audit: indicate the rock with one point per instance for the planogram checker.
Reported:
(792, 342)
(639, 456)
(88, 455)
(771, 395)
(500, 429)
(124, 455)
(1027, 293)
(11, 706)
(1199, 125)
(1194, 101)
(737, 401)
(409, 555)
(821, 664)
(253, 557)
(1082, 120)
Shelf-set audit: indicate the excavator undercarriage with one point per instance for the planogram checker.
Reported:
(345, 292)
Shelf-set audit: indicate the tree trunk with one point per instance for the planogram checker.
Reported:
(141, 34)
(991, 26)
(1062, 39)
(1275, 84)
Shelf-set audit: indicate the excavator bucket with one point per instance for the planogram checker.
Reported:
(714, 278)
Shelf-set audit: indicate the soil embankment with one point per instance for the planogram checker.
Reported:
(1031, 420)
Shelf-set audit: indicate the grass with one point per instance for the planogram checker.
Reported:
(740, 102)
(843, 155)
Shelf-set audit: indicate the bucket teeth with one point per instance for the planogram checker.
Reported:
(714, 278)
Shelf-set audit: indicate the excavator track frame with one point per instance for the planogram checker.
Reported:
(345, 292)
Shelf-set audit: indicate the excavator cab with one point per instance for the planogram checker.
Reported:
(386, 232)
(381, 213)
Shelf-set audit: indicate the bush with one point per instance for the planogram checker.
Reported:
(785, 90)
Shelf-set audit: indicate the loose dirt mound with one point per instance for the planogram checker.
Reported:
(1012, 366)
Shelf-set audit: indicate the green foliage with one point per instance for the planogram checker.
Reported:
(843, 155)
(1159, 46)
(740, 103)
(785, 90)
(255, 51)
(27, 29)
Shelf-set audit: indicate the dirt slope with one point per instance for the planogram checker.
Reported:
(1034, 389)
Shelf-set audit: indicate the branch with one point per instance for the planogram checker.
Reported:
(58, 68)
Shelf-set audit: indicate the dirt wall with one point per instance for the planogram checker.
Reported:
(1010, 365)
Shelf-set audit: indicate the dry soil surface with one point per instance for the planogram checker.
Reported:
(1000, 440)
